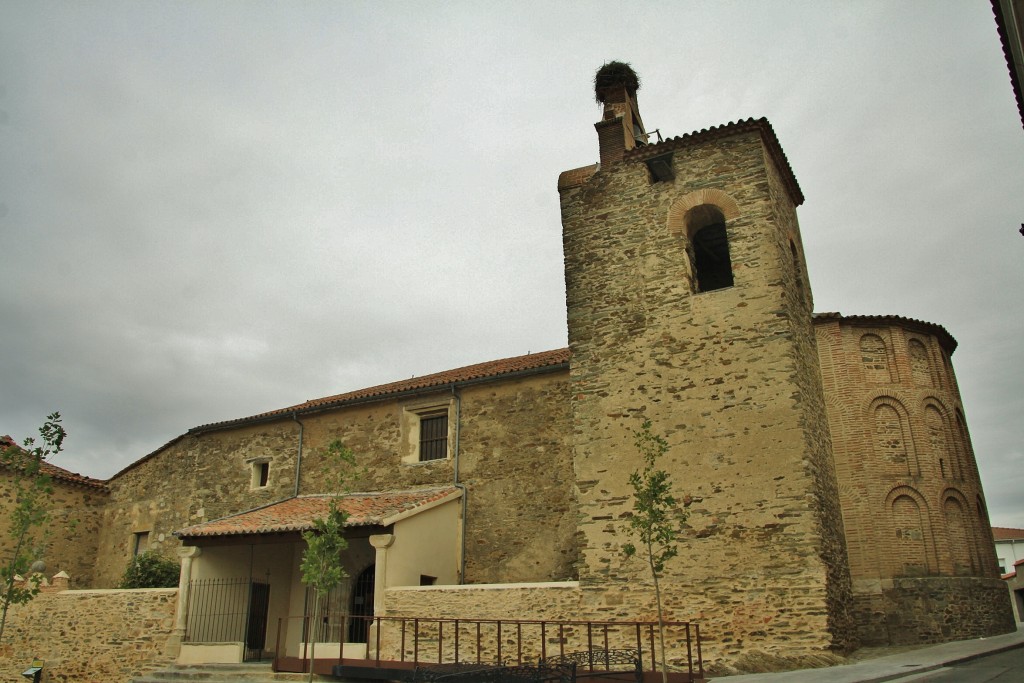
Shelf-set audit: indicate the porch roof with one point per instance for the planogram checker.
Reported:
(381, 508)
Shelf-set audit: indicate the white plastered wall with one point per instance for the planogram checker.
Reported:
(426, 544)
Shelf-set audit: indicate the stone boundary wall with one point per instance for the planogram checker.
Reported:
(534, 601)
(528, 602)
(90, 636)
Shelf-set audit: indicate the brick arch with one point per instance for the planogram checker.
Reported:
(942, 442)
(911, 541)
(892, 439)
(893, 394)
(677, 212)
(875, 358)
(959, 526)
(921, 365)
(962, 443)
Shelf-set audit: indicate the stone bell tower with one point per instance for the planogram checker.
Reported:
(688, 304)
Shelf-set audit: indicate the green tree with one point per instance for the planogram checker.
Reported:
(150, 570)
(31, 489)
(656, 521)
(322, 568)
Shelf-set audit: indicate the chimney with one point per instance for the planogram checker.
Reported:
(621, 127)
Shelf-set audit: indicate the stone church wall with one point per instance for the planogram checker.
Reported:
(69, 538)
(728, 378)
(153, 496)
(514, 461)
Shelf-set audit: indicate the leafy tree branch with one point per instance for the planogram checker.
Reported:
(31, 489)
(656, 521)
(322, 568)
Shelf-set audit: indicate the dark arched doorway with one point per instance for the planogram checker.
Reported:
(361, 607)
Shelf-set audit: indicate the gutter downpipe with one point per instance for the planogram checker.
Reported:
(460, 486)
(298, 455)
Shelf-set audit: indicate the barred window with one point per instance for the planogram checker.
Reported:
(433, 437)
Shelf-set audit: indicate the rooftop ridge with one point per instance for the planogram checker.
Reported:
(761, 125)
(57, 472)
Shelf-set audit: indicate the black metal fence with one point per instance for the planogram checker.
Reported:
(229, 610)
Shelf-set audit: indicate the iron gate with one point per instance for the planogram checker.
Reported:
(229, 610)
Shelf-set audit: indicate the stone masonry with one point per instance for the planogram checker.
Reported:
(728, 377)
(83, 636)
(824, 461)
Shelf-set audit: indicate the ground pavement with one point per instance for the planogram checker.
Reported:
(906, 666)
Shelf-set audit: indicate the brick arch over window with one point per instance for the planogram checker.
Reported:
(911, 541)
(959, 525)
(941, 440)
(702, 216)
(874, 357)
(892, 439)
(920, 363)
(986, 550)
(962, 443)
(677, 212)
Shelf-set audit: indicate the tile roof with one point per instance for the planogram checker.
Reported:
(59, 473)
(1010, 38)
(469, 374)
(1012, 574)
(1002, 533)
(945, 338)
(297, 514)
(480, 371)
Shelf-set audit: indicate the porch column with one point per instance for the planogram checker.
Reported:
(381, 542)
(187, 554)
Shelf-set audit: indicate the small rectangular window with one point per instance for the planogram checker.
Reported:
(433, 437)
(425, 427)
(260, 476)
(427, 580)
(140, 543)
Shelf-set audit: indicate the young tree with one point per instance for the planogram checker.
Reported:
(322, 569)
(656, 521)
(31, 496)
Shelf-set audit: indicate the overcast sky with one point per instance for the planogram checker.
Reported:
(213, 209)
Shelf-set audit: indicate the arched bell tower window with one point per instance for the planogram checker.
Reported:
(709, 245)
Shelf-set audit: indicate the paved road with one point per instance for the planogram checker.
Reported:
(1005, 667)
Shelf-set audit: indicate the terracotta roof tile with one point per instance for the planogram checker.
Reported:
(1006, 29)
(1002, 533)
(59, 473)
(479, 371)
(297, 514)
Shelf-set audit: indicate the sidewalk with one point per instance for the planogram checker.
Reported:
(892, 667)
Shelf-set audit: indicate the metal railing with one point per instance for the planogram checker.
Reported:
(408, 642)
